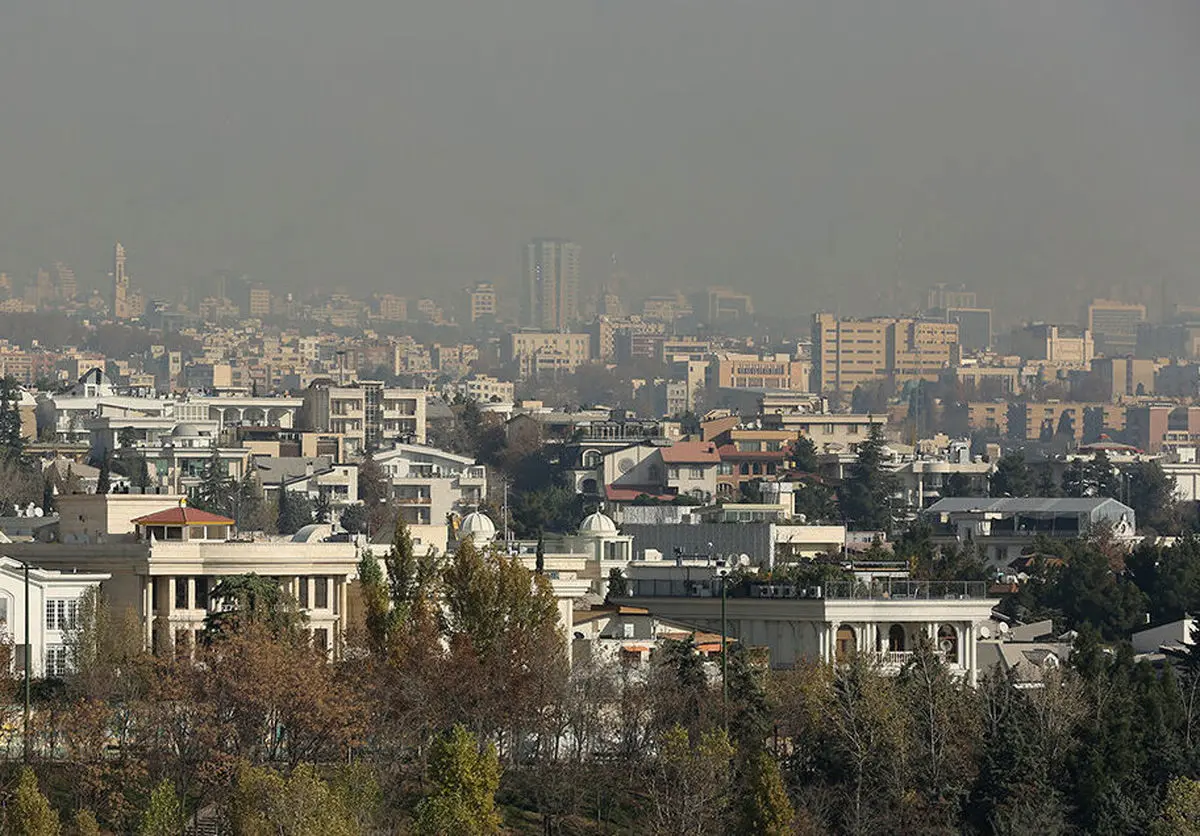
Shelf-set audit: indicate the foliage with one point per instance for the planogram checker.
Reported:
(354, 519)
(1012, 477)
(164, 815)
(265, 803)
(867, 497)
(692, 782)
(84, 823)
(217, 490)
(1151, 494)
(12, 442)
(295, 511)
(31, 813)
(765, 808)
(250, 599)
(618, 584)
(465, 778)
(1181, 809)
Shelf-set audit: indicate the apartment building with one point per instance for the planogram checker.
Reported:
(852, 352)
(1032, 421)
(1114, 325)
(1125, 376)
(1158, 427)
(1063, 345)
(828, 431)
(542, 353)
(481, 301)
(428, 484)
(368, 415)
(754, 371)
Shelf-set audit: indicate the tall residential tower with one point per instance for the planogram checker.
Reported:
(121, 308)
(550, 284)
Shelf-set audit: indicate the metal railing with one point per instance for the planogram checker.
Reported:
(884, 589)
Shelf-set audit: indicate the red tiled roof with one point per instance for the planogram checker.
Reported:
(182, 515)
(691, 452)
(616, 494)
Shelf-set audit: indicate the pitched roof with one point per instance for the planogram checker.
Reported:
(691, 452)
(182, 515)
(623, 494)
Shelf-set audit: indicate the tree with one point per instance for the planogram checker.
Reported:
(264, 803)
(960, 484)
(354, 519)
(104, 480)
(250, 510)
(1180, 811)
(540, 555)
(252, 600)
(164, 815)
(867, 498)
(618, 584)
(216, 490)
(765, 808)
(84, 823)
(1151, 494)
(374, 593)
(1077, 480)
(691, 784)
(295, 511)
(804, 455)
(1012, 476)
(12, 440)
(31, 813)
(374, 488)
(465, 778)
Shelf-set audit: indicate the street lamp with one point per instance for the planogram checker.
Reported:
(722, 573)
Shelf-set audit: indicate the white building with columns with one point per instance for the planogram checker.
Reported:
(163, 559)
(885, 620)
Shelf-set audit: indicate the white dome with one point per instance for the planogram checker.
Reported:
(478, 526)
(597, 523)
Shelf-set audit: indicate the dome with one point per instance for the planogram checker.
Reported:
(313, 533)
(186, 431)
(597, 523)
(478, 526)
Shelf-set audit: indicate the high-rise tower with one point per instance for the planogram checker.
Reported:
(121, 302)
(550, 284)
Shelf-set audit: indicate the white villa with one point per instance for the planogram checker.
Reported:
(53, 605)
(885, 619)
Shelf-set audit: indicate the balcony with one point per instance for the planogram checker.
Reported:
(414, 500)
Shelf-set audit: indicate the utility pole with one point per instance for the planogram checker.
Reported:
(722, 572)
(26, 740)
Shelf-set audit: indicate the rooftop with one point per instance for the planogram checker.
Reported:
(183, 515)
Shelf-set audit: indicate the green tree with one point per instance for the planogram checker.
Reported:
(765, 809)
(867, 497)
(252, 599)
(31, 813)
(12, 441)
(264, 803)
(250, 510)
(691, 784)
(164, 815)
(1077, 480)
(1180, 810)
(1150, 492)
(104, 480)
(84, 823)
(295, 511)
(1012, 476)
(804, 455)
(618, 584)
(465, 778)
(215, 492)
(354, 519)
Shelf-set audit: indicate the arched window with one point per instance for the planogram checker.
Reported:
(591, 458)
(947, 643)
(896, 638)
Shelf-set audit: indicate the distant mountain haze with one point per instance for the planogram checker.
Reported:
(839, 155)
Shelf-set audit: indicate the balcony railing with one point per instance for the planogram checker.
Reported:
(884, 589)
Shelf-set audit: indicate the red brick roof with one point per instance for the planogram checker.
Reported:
(691, 452)
(615, 494)
(182, 515)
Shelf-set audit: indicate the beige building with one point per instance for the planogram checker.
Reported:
(1114, 325)
(1062, 345)
(165, 559)
(368, 415)
(550, 278)
(538, 353)
(393, 308)
(851, 352)
(1125, 376)
(753, 371)
(482, 301)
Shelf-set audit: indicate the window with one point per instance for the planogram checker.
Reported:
(628, 628)
(60, 613)
(201, 593)
(672, 473)
(321, 593)
(3, 612)
(321, 639)
(56, 660)
(181, 593)
(304, 593)
(696, 472)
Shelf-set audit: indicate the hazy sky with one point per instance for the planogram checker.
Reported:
(817, 154)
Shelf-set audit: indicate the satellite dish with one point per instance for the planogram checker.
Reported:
(743, 559)
(985, 632)
(38, 512)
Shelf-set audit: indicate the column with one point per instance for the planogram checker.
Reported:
(147, 609)
(968, 653)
